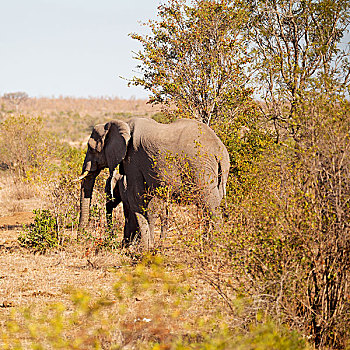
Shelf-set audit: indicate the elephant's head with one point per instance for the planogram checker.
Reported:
(107, 147)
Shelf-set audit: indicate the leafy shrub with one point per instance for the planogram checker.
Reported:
(286, 244)
(41, 235)
(71, 159)
(262, 336)
(25, 146)
(62, 187)
(164, 118)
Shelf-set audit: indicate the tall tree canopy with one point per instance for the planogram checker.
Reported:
(194, 57)
(296, 49)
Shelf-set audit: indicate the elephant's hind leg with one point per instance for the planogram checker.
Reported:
(147, 239)
(157, 207)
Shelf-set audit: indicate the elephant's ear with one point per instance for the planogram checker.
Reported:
(97, 138)
(116, 142)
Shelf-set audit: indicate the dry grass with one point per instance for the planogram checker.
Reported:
(34, 278)
(72, 119)
(151, 314)
(83, 106)
(35, 281)
(17, 195)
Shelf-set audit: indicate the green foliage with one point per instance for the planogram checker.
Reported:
(43, 234)
(322, 185)
(287, 234)
(34, 153)
(37, 157)
(71, 159)
(163, 118)
(244, 138)
(195, 58)
(58, 183)
(271, 336)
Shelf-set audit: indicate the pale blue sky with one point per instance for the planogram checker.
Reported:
(71, 47)
(74, 48)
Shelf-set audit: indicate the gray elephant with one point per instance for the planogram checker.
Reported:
(183, 157)
(116, 192)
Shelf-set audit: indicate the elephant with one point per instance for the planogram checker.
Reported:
(116, 192)
(184, 156)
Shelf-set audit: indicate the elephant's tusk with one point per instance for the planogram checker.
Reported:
(83, 176)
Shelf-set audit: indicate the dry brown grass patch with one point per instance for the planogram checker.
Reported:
(16, 195)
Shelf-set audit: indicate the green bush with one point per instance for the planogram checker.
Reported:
(41, 235)
(164, 118)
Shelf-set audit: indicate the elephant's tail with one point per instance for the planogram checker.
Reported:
(222, 179)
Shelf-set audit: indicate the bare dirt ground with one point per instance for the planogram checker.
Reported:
(26, 277)
(35, 281)
(16, 219)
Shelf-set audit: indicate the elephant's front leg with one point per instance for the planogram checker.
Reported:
(131, 226)
(138, 203)
(113, 198)
(110, 205)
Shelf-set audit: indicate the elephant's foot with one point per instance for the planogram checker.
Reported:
(128, 241)
(125, 243)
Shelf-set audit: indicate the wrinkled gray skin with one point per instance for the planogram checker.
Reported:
(116, 192)
(142, 147)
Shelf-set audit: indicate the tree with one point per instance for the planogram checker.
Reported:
(194, 58)
(304, 78)
(296, 48)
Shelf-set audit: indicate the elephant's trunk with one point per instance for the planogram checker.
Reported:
(87, 186)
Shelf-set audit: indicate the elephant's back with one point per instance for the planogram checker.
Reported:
(200, 137)
(186, 136)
